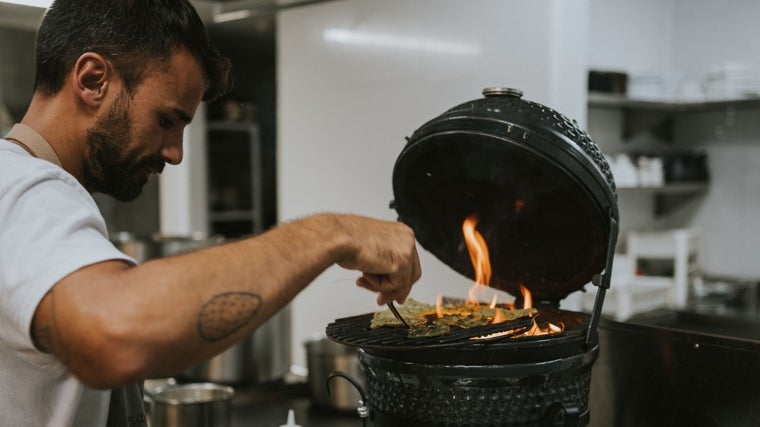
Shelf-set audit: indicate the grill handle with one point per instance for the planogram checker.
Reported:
(571, 415)
(363, 410)
(602, 281)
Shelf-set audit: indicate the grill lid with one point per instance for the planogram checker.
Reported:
(542, 191)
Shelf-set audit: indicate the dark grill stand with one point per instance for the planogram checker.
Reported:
(505, 395)
(492, 157)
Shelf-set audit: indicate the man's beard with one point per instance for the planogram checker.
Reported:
(108, 167)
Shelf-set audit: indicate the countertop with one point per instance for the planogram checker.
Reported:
(268, 405)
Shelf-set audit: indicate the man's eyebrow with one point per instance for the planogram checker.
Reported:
(185, 117)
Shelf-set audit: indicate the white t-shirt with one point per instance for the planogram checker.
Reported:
(49, 227)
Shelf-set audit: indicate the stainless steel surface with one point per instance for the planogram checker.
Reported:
(262, 357)
(165, 245)
(191, 405)
(677, 369)
(132, 245)
(395, 312)
(325, 357)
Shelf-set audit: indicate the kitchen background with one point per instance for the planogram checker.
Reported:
(326, 91)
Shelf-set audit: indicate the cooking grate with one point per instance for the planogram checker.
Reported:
(355, 331)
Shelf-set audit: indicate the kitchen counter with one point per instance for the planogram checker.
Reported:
(268, 405)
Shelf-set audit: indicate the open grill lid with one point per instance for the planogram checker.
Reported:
(543, 193)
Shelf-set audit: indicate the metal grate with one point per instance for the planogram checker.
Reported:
(355, 331)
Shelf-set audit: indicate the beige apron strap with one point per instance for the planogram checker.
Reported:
(31, 140)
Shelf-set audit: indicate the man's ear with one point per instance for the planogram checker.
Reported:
(92, 76)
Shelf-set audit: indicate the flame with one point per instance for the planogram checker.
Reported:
(478, 250)
(479, 256)
(527, 297)
(535, 329)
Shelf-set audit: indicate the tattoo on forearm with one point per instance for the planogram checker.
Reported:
(226, 313)
(47, 338)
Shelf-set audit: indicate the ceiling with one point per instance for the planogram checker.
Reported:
(256, 16)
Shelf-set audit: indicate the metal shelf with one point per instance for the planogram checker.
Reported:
(670, 195)
(658, 117)
(604, 100)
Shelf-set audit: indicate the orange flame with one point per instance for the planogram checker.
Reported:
(478, 250)
(535, 329)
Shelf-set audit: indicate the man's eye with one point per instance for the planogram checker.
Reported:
(165, 122)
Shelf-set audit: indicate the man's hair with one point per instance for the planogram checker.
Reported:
(134, 35)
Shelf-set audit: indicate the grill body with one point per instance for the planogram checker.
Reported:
(548, 393)
(546, 205)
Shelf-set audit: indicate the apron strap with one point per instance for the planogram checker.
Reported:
(33, 142)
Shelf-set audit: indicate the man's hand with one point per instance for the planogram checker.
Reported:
(386, 254)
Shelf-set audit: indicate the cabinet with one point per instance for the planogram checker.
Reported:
(235, 179)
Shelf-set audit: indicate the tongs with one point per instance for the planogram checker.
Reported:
(397, 314)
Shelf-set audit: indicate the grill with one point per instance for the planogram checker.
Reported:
(547, 209)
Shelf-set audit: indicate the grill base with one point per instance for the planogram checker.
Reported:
(537, 394)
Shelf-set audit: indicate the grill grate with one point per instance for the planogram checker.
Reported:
(355, 331)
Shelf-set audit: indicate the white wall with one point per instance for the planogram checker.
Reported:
(355, 77)
(633, 36)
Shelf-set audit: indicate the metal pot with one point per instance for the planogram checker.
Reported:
(190, 405)
(324, 358)
(261, 358)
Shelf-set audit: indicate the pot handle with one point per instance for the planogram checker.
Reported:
(362, 409)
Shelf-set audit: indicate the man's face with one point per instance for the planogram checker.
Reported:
(139, 133)
(112, 166)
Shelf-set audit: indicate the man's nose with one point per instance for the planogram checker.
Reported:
(172, 150)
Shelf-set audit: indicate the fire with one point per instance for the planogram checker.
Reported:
(535, 329)
(478, 250)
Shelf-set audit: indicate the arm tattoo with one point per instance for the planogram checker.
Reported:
(226, 313)
(47, 338)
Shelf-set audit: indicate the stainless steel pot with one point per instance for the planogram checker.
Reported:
(325, 357)
(190, 405)
(261, 358)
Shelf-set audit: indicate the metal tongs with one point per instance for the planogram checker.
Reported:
(397, 314)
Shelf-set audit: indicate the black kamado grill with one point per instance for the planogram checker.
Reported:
(547, 208)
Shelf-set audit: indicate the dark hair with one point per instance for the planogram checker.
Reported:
(134, 35)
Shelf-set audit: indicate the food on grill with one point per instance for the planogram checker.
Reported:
(424, 320)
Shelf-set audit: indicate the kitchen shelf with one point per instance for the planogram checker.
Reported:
(661, 115)
(604, 100)
(670, 195)
(673, 188)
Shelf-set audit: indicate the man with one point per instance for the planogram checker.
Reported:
(80, 324)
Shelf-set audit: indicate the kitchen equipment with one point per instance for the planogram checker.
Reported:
(190, 405)
(607, 81)
(677, 368)
(325, 357)
(396, 314)
(262, 357)
(132, 245)
(168, 245)
(545, 202)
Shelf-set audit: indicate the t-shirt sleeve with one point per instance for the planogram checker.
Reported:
(49, 227)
